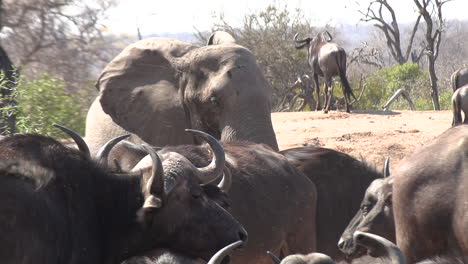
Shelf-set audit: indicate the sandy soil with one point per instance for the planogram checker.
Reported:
(369, 135)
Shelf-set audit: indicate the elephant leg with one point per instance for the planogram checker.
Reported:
(317, 90)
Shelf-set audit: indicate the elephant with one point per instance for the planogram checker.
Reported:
(157, 87)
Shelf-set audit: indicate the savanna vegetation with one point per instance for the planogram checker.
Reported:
(51, 56)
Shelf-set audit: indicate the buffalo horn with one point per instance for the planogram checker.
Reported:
(82, 146)
(215, 168)
(104, 151)
(386, 168)
(155, 185)
(225, 183)
(222, 253)
(273, 257)
(372, 242)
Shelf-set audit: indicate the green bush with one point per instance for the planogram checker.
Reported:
(42, 102)
(382, 84)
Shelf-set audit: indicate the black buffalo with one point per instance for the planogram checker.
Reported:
(430, 198)
(274, 202)
(341, 182)
(58, 206)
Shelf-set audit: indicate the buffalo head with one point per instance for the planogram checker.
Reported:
(179, 208)
(374, 216)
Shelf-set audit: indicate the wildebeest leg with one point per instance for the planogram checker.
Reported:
(328, 93)
(317, 90)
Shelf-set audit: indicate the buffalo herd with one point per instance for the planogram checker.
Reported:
(175, 169)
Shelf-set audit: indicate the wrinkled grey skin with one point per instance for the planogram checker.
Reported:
(375, 216)
(157, 87)
(459, 78)
(459, 104)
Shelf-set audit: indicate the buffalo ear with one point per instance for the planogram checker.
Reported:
(139, 88)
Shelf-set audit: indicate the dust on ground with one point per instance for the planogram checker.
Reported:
(369, 135)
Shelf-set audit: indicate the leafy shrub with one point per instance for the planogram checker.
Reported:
(43, 101)
(382, 84)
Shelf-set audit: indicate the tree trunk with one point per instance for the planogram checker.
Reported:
(7, 103)
(433, 78)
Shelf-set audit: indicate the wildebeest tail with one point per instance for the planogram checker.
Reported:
(341, 62)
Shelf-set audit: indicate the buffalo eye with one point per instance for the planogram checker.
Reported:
(196, 194)
(214, 101)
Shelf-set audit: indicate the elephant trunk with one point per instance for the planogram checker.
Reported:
(254, 127)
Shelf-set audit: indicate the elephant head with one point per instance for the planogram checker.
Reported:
(157, 87)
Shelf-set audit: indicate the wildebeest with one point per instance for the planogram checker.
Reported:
(326, 59)
(430, 198)
(165, 256)
(375, 215)
(341, 182)
(459, 104)
(459, 78)
(274, 202)
(58, 206)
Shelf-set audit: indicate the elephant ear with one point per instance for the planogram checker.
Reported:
(139, 89)
(220, 37)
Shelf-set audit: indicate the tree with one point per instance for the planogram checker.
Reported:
(8, 76)
(61, 37)
(269, 35)
(433, 37)
(431, 12)
(377, 11)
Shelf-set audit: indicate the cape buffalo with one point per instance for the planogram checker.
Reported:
(58, 206)
(274, 202)
(326, 59)
(341, 183)
(459, 104)
(430, 198)
(374, 216)
(459, 78)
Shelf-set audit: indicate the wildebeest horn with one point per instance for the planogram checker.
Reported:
(215, 168)
(273, 257)
(327, 34)
(155, 185)
(104, 151)
(226, 182)
(386, 172)
(219, 256)
(299, 41)
(375, 242)
(82, 146)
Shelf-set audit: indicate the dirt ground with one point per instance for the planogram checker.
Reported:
(369, 135)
